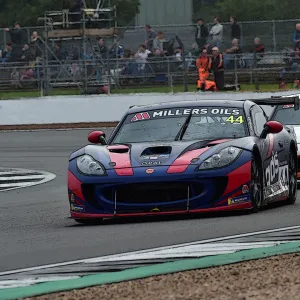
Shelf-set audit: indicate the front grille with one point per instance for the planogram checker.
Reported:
(153, 192)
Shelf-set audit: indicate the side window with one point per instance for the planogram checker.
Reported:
(258, 119)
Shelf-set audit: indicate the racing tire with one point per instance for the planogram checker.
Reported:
(293, 186)
(256, 185)
(89, 221)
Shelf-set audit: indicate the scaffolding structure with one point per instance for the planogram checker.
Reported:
(85, 24)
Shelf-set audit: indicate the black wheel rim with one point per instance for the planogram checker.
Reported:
(292, 176)
(256, 185)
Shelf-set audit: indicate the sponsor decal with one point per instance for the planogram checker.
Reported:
(77, 208)
(288, 106)
(164, 156)
(153, 157)
(233, 114)
(233, 120)
(72, 198)
(276, 171)
(155, 209)
(237, 200)
(149, 171)
(140, 116)
(195, 111)
(151, 163)
(245, 189)
(276, 191)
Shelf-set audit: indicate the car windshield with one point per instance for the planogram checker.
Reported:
(287, 115)
(206, 123)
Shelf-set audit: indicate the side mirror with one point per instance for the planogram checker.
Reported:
(97, 137)
(271, 127)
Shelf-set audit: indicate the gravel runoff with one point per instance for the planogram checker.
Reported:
(272, 278)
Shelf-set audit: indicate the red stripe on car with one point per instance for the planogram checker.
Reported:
(75, 186)
(183, 161)
(121, 160)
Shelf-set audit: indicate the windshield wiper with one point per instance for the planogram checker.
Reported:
(184, 127)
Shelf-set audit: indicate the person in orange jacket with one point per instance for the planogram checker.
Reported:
(203, 64)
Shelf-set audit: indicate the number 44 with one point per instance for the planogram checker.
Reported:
(237, 120)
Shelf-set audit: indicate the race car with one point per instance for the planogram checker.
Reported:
(185, 157)
(290, 118)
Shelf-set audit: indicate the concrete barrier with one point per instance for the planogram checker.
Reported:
(96, 108)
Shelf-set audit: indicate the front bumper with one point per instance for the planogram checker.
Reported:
(153, 194)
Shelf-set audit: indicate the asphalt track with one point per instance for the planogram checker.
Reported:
(35, 228)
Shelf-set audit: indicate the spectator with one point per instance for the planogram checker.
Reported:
(258, 49)
(296, 38)
(201, 34)
(158, 43)
(101, 51)
(151, 35)
(116, 51)
(231, 52)
(60, 52)
(216, 33)
(7, 53)
(208, 48)
(141, 58)
(16, 35)
(37, 43)
(218, 68)
(178, 54)
(27, 54)
(235, 29)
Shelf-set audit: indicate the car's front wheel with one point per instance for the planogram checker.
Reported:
(292, 178)
(256, 186)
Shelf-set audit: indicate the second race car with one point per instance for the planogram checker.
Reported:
(290, 118)
(185, 157)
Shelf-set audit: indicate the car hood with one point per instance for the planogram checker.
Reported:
(151, 154)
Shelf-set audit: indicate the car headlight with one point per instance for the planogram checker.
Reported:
(223, 158)
(87, 165)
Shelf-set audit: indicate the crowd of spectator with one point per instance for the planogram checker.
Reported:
(155, 48)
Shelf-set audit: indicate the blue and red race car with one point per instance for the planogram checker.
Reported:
(185, 157)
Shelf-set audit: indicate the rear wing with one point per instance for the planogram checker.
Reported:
(292, 100)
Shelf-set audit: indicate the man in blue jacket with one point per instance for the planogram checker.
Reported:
(296, 37)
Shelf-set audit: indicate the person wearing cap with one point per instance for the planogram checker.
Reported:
(218, 68)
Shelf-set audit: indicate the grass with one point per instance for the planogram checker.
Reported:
(156, 89)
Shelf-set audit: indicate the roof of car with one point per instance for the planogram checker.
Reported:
(187, 104)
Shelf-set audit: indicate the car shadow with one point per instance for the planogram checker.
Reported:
(171, 218)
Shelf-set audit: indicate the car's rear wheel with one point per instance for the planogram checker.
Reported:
(89, 221)
(256, 186)
(292, 178)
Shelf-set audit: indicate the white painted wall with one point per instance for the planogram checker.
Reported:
(98, 108)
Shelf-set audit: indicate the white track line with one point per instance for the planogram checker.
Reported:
(91, 260)
(44, 176)
(11, 178)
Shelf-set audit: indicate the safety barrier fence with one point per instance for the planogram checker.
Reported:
(275, 34)
(154, 72)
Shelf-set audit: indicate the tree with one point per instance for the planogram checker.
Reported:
(27, 12)
(246, 10)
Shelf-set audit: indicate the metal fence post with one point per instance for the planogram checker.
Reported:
(274, 35)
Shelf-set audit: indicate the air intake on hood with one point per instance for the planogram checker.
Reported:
(157, 150)
(118, 149)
